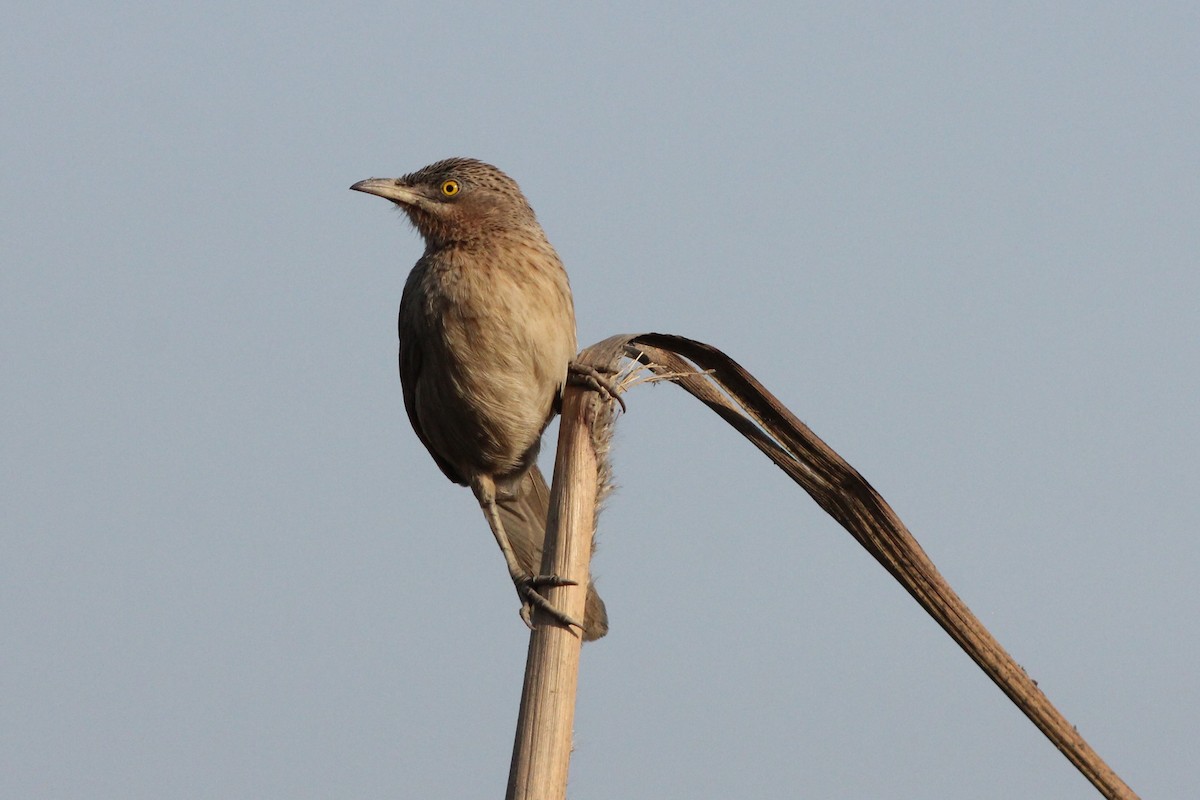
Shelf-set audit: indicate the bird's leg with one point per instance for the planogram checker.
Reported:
(527, 585)
(584, 375)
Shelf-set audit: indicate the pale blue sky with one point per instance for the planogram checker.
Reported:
(960, 241)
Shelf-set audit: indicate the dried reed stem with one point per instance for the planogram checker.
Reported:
(542, 750)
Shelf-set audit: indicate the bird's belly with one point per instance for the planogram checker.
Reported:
(485, 410)
(495, 337)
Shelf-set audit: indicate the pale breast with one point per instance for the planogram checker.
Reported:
(496, 334)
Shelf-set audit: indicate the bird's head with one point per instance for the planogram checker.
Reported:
(456, 200)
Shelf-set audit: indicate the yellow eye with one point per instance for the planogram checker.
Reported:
(450, 188)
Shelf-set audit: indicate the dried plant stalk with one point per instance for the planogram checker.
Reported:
(542, 750)
(737, 397)
(848, 498)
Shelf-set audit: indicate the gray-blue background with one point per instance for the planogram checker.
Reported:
(960, 240)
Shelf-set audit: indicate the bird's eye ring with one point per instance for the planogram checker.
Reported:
(450, 188)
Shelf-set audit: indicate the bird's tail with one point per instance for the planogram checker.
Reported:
(523, 513)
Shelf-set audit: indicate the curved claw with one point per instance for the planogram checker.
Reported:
(530, 597)
(597, 381)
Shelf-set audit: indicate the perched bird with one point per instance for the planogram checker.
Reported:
(487, 337)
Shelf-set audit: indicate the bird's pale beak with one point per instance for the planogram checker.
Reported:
(389, 189)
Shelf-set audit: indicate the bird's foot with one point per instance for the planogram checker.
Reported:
(527, 590)
(597, 381)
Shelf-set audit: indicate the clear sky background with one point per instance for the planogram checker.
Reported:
(960, 240)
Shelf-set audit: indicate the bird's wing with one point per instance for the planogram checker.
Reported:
(411, 362)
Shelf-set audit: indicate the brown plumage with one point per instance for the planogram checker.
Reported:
(487, 333)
